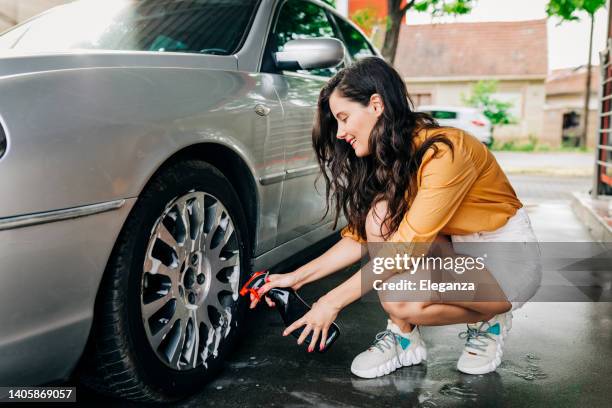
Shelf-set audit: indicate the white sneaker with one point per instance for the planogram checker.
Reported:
(483, 347)
(391, 350)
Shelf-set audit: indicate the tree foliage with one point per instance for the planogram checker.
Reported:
(366, 19)
(569, 10)
(482, 97)
(443, 7)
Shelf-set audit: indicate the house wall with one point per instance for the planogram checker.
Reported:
(557, 105)
(528, 97)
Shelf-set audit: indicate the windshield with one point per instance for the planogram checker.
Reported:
(192, 26)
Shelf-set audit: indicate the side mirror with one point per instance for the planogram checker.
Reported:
(310, 53)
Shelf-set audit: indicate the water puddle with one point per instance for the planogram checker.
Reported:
(458, 391)
(529, 370)
(251, 363)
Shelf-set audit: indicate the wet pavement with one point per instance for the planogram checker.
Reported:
(556, 355)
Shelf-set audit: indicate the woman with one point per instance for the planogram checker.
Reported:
(398, 177)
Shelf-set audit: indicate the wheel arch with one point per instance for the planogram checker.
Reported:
(234, 167)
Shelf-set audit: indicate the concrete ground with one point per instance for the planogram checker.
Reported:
(557, 354)
(550, 163)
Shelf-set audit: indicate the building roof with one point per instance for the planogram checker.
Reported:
(491, 49)
(571, 81)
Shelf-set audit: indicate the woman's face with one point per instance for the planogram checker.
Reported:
(355, 121)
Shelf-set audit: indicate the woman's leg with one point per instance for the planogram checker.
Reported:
(437, 314)
(431, 314)
(406, 314)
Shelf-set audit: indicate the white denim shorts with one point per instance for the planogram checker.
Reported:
(515, 266)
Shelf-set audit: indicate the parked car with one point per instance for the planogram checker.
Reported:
(471, 120)
(153, 154)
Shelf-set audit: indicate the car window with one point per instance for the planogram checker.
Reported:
(440, 114)
(356, 43)
(300, 19)
(192, 26)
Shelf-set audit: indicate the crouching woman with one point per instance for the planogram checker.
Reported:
(400, 178)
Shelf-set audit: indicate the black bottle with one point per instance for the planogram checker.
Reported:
(290, 306)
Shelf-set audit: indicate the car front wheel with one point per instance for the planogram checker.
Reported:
(168, 308)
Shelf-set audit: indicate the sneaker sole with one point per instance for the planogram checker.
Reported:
(412, 357)
(487, 368)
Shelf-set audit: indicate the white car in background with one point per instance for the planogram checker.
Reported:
(471, 120)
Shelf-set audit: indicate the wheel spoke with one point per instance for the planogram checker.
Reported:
(198, 211)
(229, 230)
(216, 217)
(164, 235)
(186, 221)
(157, 338)
(158, 267)
(150, 308)
(178, 349)
(202, 316)
(229, 261)
(191, 355)
(217, 288)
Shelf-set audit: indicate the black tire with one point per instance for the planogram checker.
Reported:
(119, 359)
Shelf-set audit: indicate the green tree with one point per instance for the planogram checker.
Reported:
(481, 97)
(366, 19)
(570, 10)
(397, 10)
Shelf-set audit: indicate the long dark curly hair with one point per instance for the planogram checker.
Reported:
(355, 184)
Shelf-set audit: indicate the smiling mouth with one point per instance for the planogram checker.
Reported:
(352, 142)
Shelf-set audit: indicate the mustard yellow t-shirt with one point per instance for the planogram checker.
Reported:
(456, 196)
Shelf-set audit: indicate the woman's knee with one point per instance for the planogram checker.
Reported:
(501, 307)
(375, 229)
(404, 310)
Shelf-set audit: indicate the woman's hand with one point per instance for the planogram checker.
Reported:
(291, 280)
(317, 320)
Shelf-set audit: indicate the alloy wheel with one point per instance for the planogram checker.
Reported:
(189, 286)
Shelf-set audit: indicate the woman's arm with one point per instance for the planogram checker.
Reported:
(344, 294)
(342, 254)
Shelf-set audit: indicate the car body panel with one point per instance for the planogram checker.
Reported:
(151, 113)
(49, 277)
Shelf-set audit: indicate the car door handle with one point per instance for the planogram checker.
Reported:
(262, 110)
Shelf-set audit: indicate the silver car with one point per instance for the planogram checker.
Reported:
(152, 155)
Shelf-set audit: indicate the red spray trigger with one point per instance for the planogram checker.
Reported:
(255, 282)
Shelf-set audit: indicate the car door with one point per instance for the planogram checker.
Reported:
(302, 205)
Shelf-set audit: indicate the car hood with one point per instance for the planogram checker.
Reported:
(18, 62)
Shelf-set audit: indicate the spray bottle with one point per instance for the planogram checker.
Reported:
(290, 306)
